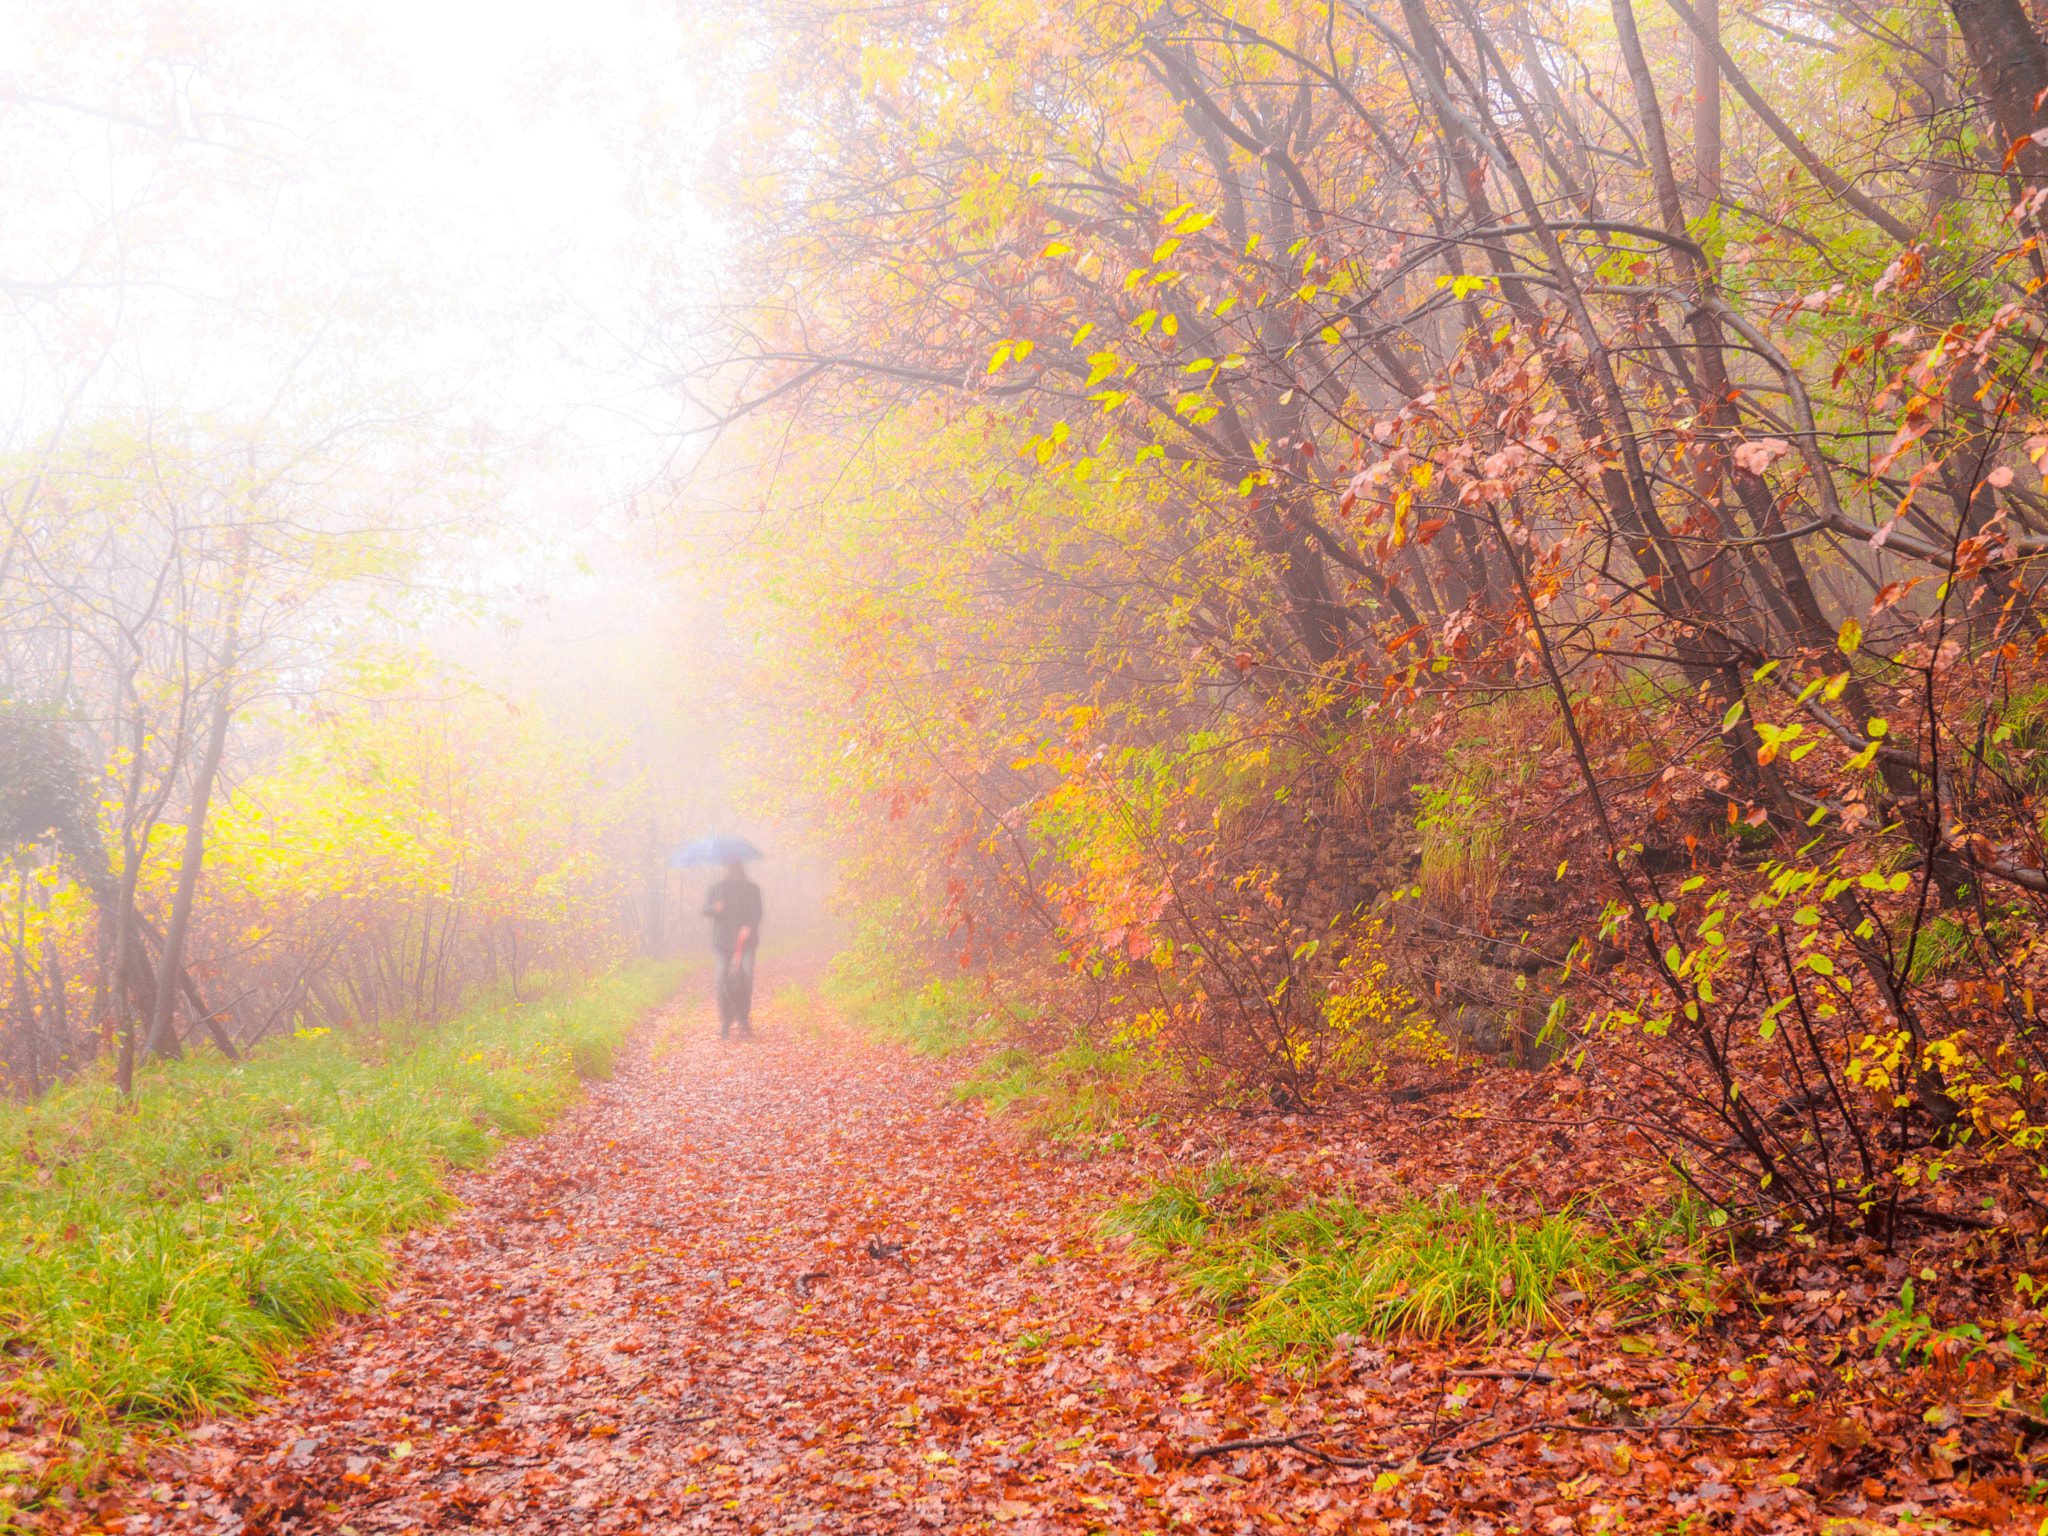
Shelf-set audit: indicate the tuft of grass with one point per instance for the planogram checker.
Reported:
(592, 1055)
(1074, 1093)
(1943, 943)
(879, 984)
(801, 1006)
(157, 1257)
(2019, 730)
(1290, 1280)
(1463, 830)
(937, 1019)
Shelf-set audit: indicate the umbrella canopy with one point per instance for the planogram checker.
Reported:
(718, 849)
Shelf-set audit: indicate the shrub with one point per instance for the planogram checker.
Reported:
(1075, 1092)
(1291, 1280)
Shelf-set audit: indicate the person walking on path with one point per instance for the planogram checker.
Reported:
(734, 907)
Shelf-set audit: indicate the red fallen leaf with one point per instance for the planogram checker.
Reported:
(891, 1391)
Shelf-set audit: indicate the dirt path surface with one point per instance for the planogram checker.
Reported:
(791, 1284)
(780, 1284)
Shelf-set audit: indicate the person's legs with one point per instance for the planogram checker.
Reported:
(743, 990)
(724, 988)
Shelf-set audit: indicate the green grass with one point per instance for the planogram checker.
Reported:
(1942, 944)
(875, 986)
(156, 1258)
(1290, 1279)
(2019, 730)
(1075, 1093)
(937, 1019)
(802, 1008)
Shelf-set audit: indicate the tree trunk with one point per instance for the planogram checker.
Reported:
(134, 988)
(2011, 62)
(58, 1009)
(657, 886)
(1706, 106)
(170, 964)
(172, 960)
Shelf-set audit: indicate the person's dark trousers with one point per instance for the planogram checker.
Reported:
(736, 992)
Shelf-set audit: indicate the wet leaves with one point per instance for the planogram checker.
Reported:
(790, 1285)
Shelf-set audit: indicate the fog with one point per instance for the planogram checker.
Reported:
(332, 447)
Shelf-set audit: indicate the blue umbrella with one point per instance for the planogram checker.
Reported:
(718, 849)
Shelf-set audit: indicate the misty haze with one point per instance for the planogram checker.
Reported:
(818, 767)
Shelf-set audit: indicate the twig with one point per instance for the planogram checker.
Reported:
(1950, 1218)
(1226, 1446)
(1451, 1452)
(1542, 1378)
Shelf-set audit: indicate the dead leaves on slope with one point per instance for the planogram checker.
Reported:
(790, 1285)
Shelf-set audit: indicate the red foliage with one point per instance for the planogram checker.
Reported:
(791, 1284)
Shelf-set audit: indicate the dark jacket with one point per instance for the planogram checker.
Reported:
(732, 905)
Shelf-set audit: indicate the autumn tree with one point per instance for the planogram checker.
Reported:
(1507, 400)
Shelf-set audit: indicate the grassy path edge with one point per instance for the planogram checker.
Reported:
(157, 1259)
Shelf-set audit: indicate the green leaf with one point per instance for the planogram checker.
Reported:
(1850, 637)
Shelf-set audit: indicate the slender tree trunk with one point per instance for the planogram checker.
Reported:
(2011, 62)
(56, 1013)
(134, 990)
(24, 994)
(58, 1006)
(171, 963)
(1706, 105)
(656, 884)
(172, 960)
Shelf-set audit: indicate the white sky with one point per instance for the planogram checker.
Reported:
(493, 184)
(541, 177)
(538, 176)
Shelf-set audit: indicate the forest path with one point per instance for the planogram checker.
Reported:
(615, 1331)
(685, 1309)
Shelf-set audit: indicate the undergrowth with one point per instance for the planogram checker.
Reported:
(874, 986)
(1073, 1094)
(800, 1006)
(1290, 1279)
(156, 1257)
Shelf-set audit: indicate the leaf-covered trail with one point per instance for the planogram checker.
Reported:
(790, 1284)
(778, 1284)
